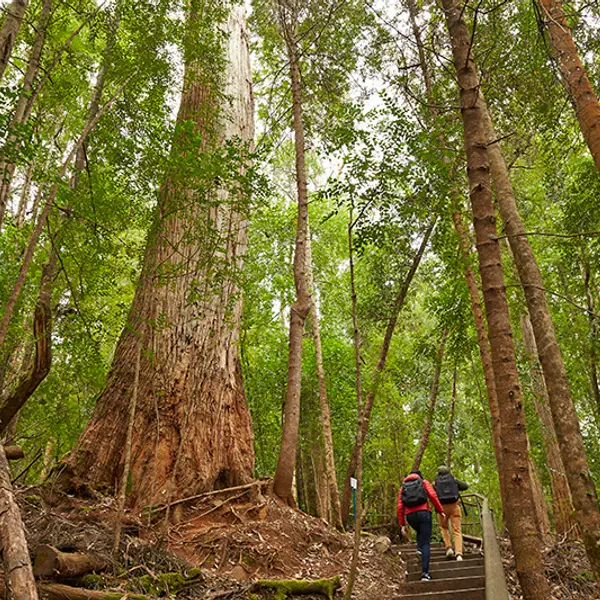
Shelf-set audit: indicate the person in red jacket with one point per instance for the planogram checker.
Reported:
(413, 507)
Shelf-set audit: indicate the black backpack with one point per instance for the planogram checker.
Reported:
(446, 489)
(413, 492)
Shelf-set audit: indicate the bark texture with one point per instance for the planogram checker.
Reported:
(15, 554)
(562, 504)
(433, 394)
(192, 429)
(517, 499)
(333, 499)
(564, 415)
(284, 474)
(379, 367)
(10, 29)
(574, 76)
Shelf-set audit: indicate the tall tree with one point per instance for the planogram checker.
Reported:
(288, 13)
(517, 497)
(192, 428)
(574, 75)
(564, 414)
(10, 29)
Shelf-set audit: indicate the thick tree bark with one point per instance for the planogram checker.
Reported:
(379, 367)
(574, 76)
(517, 497)
(565, 418)
(542, 520)
(192, 428)
(451, 420)
(282, 483)
(591, 309)
(15, 554)
(330, 472)
(433, 394)
(10, 29)
(562, 504)
(12, 145)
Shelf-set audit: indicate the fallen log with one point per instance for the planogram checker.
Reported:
(14, 452)
(52, 563)
(58, 591)
(15, 554)
(295, 587)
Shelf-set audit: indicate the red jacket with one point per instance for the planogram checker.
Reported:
(405, 510)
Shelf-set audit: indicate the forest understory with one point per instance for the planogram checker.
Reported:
(218, 546)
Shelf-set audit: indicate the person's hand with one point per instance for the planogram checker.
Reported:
(444, 519)
(404, 531)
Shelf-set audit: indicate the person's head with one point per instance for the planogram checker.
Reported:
(443, 470)
(417, 472)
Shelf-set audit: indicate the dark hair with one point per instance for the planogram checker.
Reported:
(417, 472)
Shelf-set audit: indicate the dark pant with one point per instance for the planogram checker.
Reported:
(420, 521)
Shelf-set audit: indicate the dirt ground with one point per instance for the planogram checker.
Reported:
(239, 537)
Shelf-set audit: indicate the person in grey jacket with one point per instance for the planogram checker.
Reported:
(447, 488)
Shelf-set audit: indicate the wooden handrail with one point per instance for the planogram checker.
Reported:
(495, 582)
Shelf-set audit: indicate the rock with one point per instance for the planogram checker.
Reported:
(382, 544)
(238, 572)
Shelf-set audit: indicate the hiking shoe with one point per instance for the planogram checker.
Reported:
(450, 553)
(459, 557)
(425, 577)
(419, 553)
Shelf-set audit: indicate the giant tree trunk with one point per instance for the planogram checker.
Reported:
(570, 441)
(333, 499)
(574, 76)
(282, 483)
(12, 145)
(192, 430)
(10, 29)
(433, 394)
(517, 498)
(379, 367)
(562, 505)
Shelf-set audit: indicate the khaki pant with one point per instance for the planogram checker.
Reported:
(454, 515)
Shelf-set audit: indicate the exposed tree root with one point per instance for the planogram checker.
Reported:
(294, 587)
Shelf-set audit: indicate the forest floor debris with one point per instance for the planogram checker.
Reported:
(567, 568)
(217, 548)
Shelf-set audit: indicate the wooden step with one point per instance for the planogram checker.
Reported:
(442, 558)
(468, 594)
(440, 565)
(452, 573)
(442, 585)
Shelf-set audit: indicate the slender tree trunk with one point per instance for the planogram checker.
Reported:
(47, 461)
(192, 429)
(11, 147)
(565, 418)
(385, 346)
(10, 29)
(586, 275)
(451, 420)
(360, 425)
(542, 520)
(41, 221)
(433, 394)
(24, 197)
(331, 477)
(562, 504)
(465, 250)
(282, 483)
(517, 498)
(574, 76)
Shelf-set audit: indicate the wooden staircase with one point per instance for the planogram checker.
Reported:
(451, 579)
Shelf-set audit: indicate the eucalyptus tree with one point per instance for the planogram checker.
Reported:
(185, 315)
(14, 16)
(518, 496)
